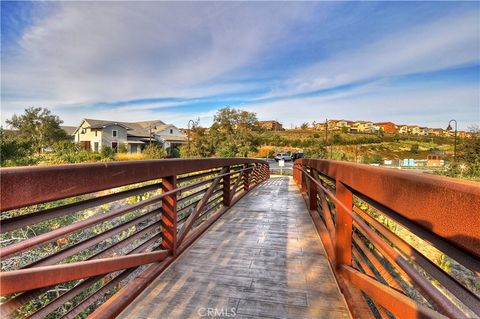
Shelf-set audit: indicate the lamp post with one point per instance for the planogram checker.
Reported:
(188, 135)
(449, 128)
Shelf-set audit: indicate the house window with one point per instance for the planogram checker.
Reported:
(84, 130)
(114, 133)
(171, 131)
(96, 131)
(95, 145)
(115, 146)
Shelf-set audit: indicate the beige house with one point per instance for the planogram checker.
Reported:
(403, 129)
(364, 127)
(94, 134)
(436, 131)
(423, 131)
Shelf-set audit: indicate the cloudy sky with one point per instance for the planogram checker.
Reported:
(415, 63)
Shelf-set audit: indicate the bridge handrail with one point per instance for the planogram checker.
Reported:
(118, 218)
(355, 207)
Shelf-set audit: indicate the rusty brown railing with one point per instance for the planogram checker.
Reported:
(402, 244)
(87, 238)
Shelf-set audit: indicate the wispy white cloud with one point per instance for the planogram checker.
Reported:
(429, 106)
(444, 43)
(81, 58)
(86, 52)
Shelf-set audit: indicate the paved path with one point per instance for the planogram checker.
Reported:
(262, 259)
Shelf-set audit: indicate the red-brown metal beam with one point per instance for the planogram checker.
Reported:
(398, 304)
(39, 184)
(32, 278)
(439, 299)
(434, 198)
(198, 209)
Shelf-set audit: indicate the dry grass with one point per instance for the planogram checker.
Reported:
(128, 157)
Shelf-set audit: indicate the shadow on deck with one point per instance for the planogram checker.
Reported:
(261, 259)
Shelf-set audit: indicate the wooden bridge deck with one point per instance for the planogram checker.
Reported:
(262, 259)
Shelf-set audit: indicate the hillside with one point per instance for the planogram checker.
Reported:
(358, 147)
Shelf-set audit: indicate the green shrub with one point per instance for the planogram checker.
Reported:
(107, 153)
(122, 148)
(153, 151)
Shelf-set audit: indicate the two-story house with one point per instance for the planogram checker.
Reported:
(387, 127)
(402, 129)
(94, 134)
(436, 131)
(364, 127)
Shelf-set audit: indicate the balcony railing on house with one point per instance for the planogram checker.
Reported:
(402, 245)
(87, 234)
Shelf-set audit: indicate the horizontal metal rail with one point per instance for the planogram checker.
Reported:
(89, 227)
(366, 200)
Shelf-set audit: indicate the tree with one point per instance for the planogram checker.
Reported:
(232, 133)
(468, 156)
(14, 152)
(39, 127)
(304, 126)
(200, 144)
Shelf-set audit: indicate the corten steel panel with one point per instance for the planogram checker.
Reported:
(444, 206)
(22, 186)
(37, 277)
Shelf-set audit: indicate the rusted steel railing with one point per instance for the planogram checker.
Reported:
(402, 244)
(87, 238)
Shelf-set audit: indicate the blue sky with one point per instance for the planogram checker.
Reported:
(407, 62)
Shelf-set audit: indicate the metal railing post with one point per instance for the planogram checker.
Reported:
(343, 225)
(312, 193)
(169, 215)
(226, 187)
(303, 182)
(246, 180)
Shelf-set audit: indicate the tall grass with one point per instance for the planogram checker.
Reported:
(129, 157)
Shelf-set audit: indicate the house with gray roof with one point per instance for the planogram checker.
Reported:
(93, 134)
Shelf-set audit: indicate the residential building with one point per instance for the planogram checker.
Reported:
(364, 127)
(402, 129)
(413, 130)
(423, 131)
(169, 135)
(387, 127)
(271, 125)
(332, 125)
(68, 129)
(342, 124)
(436, 131)
(435, 158)
(93, 134)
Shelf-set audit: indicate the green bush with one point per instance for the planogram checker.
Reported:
(107, 153)
(15, 152)
(173, 152)
(123, 148)
(153, 151)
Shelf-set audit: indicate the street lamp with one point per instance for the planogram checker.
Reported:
(188, 135)
(449, 128)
